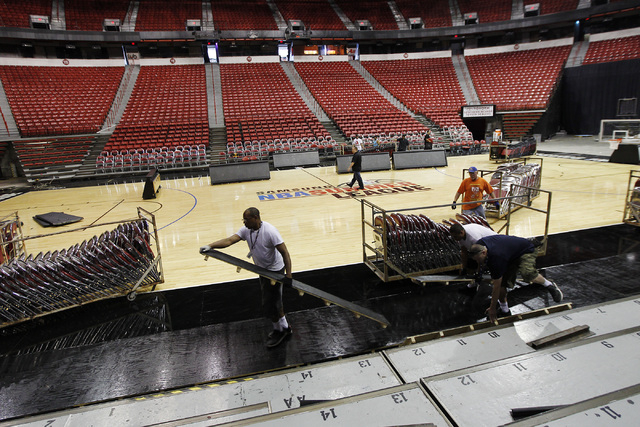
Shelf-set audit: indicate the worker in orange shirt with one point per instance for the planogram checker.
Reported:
(472, 190)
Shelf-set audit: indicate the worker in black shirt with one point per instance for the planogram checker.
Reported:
(356, 166)
(428, 141)
(403, 143)
(505, 257)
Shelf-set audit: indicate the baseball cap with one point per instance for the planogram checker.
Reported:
(473, 169)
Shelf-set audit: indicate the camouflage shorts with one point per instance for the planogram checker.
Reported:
(525, 265)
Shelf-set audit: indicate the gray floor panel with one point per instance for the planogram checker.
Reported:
(403, 405)
(221, 417)
(601, 319)
(452, 353)
(558, 376)
(613, 409)
(79, 417)
(282, 391)
(448, 354)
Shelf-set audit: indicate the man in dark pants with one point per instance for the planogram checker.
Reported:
(428, 141)
(505, 256)
(403, 143)
(268, 250)
(356, 166)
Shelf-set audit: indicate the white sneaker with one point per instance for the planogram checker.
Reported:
(555, 292)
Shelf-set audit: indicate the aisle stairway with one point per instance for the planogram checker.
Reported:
(8, 127)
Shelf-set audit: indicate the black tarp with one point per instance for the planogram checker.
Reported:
(56, 219)
(590, 93)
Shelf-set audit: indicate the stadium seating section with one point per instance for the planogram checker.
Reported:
(315, 14)
(170, 15)
(487, 10)
(426, 86)
(618, 49)
(16, 13)
(242, 15)
(554, 6)
(168, 108)
(167, 15)
(434, 14)
(352, 103)
(517, 125)
(47, 152)
(518, 80)
(60, 100)
(81, 18)
(261, 104)
(263, 109)
(375, 11)
(166, 122)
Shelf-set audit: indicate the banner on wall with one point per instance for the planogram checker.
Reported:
(477, 111)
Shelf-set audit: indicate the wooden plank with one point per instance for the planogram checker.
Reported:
(445, 278)
(559, 336)
(440, 278)
(302, 288)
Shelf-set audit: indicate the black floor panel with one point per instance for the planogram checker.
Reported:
(170, 339)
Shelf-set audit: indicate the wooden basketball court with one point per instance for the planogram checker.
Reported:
(202, 329)
(312, 208)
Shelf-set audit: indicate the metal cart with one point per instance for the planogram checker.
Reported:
(632, 200)
(407, 244)
(117, 262)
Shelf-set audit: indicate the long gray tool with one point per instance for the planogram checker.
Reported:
(302, 288)
(445, 278)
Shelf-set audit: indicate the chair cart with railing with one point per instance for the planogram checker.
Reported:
(409, 244)
(116, 262)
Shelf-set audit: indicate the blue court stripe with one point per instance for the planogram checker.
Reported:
(195, 203)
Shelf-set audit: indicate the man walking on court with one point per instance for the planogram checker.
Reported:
(268, 251)
(505, 257)
(472, 188)
(356, 166)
